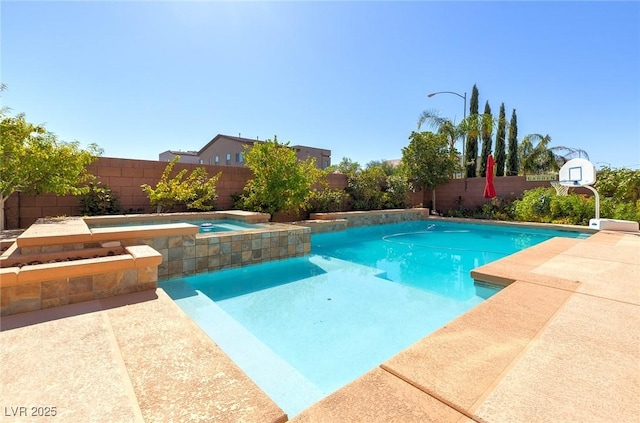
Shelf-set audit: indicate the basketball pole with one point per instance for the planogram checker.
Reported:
(592, 189)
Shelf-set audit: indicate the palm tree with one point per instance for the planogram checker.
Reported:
(564, 154)
(443, 126)
(471, 126)
(536, 158)
(541, 158)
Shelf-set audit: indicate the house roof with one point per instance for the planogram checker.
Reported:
(183, 153)
(249, 141)
(237, 139)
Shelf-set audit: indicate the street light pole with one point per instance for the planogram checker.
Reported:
(464, 138)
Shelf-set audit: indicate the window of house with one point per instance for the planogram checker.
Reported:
(239, 158)
(217, 159)
(228, 158)
(201, 161)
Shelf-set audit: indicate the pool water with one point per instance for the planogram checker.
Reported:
(224, 225)
(206, 226)
(302, 328)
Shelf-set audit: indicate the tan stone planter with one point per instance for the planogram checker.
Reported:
(40, 286)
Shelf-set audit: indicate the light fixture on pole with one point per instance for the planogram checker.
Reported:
(464, 138)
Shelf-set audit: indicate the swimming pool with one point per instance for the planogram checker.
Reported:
(302, 328)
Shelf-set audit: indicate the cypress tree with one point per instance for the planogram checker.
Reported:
(471, 154)
(487, 131)
(500, 153)
(512, 160)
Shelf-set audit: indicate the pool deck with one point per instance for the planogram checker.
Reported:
(560, 343)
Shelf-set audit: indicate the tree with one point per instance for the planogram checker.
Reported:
(471, 153)
(196, 192)
(388, 168)
(486, 132)
(280, 181)
(426, 161)
(34, 161)
(346, 167)
(536, 158)
(512, 157)
(500, 155)
(563, 154)
(541, 158)
(443, 126)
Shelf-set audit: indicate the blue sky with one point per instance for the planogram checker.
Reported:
(139, 78)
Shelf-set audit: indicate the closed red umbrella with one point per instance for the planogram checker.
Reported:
(489, 189)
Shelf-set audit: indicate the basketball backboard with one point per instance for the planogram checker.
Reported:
(577, 173)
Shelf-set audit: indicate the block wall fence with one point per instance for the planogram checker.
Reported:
(468, 193)
(124, 177)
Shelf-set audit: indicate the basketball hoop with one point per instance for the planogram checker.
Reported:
(578, 173)
(560, 189)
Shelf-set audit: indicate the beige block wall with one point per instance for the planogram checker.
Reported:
(471, 191)
(124, 177)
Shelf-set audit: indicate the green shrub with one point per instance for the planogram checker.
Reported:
(620, 210)
(99, 200)
(237, 202)
(365, 189)
(498, 208)
(544, 205)
(372, 189)
(619, 191)
(196, 192)
(572, 209)
(280, 181)
(535, 205)
(328, 200)
(623, 185)
(397, 189)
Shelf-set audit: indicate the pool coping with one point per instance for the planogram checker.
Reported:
(537, 320)
(240, 215)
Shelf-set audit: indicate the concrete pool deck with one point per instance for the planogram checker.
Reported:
(560, 343)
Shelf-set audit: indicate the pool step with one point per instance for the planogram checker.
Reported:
(285, 385)
(331, 264)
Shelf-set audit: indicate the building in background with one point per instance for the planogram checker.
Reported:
(185, 156)
(226, 150)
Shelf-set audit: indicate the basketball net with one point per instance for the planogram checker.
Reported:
(560, 189)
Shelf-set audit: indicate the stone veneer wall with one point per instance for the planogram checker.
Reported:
(214, 253)
(374, 217)
(323, 226)
(190, 254)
